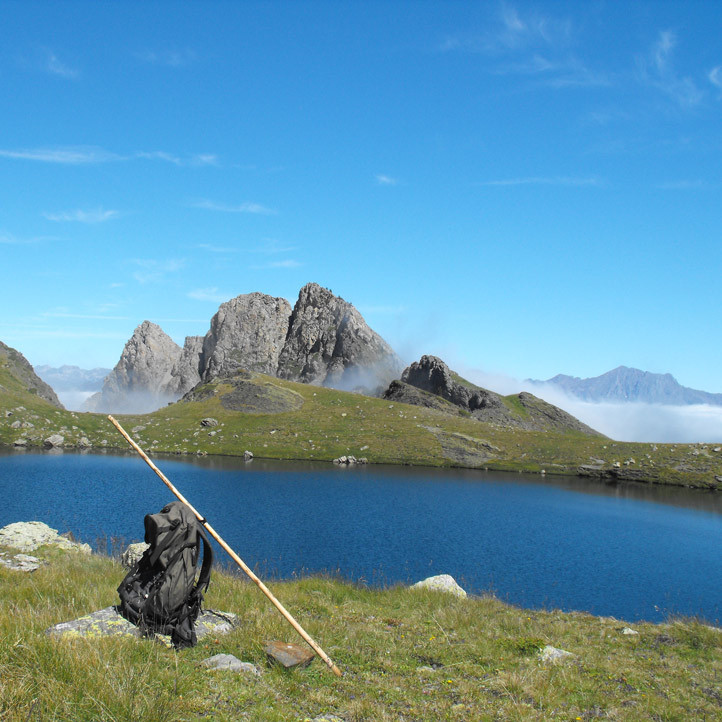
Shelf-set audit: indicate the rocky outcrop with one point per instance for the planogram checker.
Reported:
(247, 332)
(324, 340)
(141, 380)
(185, 374)
(430, 376)
(441, 583)
(27, 536)
(329, 343)
(17, 365)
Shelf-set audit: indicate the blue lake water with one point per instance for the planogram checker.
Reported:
(632, 551)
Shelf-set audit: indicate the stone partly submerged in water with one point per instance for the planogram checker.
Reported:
(109, 622)
(27, 536)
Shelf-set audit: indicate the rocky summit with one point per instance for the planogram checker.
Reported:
(431, 378)
(323, 340)
(141, 379)
(247, 332)
(329, 343)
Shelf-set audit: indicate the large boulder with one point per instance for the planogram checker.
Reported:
(247, 332)
(27, 536)
(329, 343)
(441, 583)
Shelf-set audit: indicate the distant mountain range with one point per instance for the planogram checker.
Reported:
(628, 384)
(72, 378)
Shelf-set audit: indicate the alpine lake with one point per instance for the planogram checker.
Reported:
(630, 551)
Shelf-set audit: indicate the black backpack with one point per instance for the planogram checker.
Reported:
(160, 593)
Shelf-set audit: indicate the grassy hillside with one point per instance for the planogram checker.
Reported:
(285, 420)
(405, 654)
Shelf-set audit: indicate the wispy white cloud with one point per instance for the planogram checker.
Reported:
(271, 246)
(386, 180)
(210, 248)
(540, 180)
(81, 155)
(288, 263)
(246, 207)
(153, 271)
(715, 77)
(77, 155)
(168, 58)
(92, 317)
(10, 239)
(93, 216)
(209, 294)
(657, 70)
(55, 66)
(682, 185)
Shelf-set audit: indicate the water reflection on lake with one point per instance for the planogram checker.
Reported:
(632, 551)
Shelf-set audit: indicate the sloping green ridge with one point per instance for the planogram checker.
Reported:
(323, 424)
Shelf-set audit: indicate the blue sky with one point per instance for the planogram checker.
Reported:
(522, 188)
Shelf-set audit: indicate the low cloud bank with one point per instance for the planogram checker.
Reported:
(632, 421)
(73, 400)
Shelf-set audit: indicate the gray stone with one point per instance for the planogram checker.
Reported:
(552, 654)
(141, 380)
(628, 631)
(27, 536)
(84, 442)
(209, 422)
(441, 583)
(288, 655)
(20, 442)
(15, 425)
(247, 332)
(230, 663)
(54, 441)
(329, 343)
(133, 553)
(108, 622)
(21, 562)
(247, 455)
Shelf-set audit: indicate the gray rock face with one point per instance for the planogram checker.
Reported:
(141, 379)
(330, 344)
(19, 367)
(248, 333)
(186, 372)
(433, 375)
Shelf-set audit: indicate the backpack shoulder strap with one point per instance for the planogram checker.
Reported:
(204, 577)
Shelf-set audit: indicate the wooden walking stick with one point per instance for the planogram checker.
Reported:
(231, 553)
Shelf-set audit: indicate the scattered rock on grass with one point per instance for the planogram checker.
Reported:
(210, 421)
(133, 553)
(247, 455)
(21, 562)
(230, 663)
(442, 583)
(552, 654)
(288, 655)
(54, 441)
(630, 632)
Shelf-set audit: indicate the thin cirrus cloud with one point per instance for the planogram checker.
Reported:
(288, 263)
(88, 155)
(55, 66)
(715, 77)
(540, 180)
(657, 70)
(386, 180)
(80, 216)
(154, 271)
(246, 207)
(209, 294)
(167, 58)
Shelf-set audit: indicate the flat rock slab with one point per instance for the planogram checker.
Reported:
(21, 562)
(288, 655)
(109, 622)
